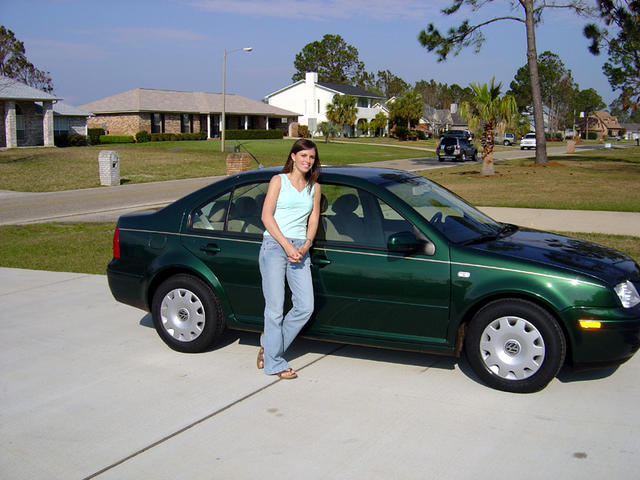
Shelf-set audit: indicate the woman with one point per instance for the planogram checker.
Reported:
(290, 215)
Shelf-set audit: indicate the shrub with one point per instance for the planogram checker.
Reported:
(93, 135)
(253, 134)
(303, 131)
(116, 139)
(73, 140)
(412, 135)
(592, 135)
(176, 137)
(421, 135)
(401, 133)
(142, 136)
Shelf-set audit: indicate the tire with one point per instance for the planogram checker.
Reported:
(187, 314)
(506, 143)
(515, 346)
(474, 157)
(521, 148)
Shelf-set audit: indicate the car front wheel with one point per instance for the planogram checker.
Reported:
(187, 314)
(515, 346)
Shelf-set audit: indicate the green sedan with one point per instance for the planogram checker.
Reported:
(398, 262)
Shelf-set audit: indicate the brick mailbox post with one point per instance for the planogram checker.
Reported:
(109, 167)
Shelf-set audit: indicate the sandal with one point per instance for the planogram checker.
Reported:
(288, 374)
(260, 359)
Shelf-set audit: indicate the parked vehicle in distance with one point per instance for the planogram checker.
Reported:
(528, 141)
(466, 134)
(507, 139)
(398, 262)
(457, 149)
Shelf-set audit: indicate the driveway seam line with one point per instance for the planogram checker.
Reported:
(81, 275)
(202, 420)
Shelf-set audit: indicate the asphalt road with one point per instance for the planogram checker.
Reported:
(89, 390)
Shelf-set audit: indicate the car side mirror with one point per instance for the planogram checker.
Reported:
(407, 242)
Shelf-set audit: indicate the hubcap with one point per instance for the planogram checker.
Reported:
(512, 348)
(182, 315)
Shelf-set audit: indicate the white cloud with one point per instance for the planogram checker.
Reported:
(326, 9)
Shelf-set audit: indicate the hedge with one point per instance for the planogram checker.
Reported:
(70, 140)
(175, 137)
(254, 134)
(116, 139)
(93, 135)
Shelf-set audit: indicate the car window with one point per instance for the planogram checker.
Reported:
(211, 215)
(354, 216)
(246, 209)
(446, 141)
(240, 211)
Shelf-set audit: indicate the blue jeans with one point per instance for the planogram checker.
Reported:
(279, 332)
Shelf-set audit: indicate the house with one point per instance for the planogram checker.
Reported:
(25, 122)
(311, 97)
(67, 119)
(630, 129)
(173, 111)
(601, 122)
(440, 120)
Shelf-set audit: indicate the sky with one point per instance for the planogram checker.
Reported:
(94, 49)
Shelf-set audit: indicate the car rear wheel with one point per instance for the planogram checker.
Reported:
(187, 314)
(515, 346)
(507, 143)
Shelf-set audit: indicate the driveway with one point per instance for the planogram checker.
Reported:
(90, 391)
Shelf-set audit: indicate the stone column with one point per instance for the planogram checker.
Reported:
(47, 123)
(10, 124)
(267, 123)
(208, 125)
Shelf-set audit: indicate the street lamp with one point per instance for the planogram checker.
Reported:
(224, 74)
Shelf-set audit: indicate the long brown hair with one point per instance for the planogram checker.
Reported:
(304, 144)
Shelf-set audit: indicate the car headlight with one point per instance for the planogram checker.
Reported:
(627, 294)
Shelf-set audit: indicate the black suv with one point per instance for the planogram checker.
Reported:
(454, 148)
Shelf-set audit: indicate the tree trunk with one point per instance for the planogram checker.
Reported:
(488, 168)
(536, 93)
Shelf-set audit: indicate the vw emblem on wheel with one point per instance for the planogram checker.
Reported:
(183, 314)
(512, 348)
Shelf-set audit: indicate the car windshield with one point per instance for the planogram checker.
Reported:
(449, 214)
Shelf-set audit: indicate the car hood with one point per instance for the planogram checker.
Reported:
(566, 253)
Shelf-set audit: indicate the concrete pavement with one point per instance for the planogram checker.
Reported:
(90, 391)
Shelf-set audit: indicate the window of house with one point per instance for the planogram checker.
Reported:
(186, 123)
(157, 123)
(20, 130)
(60, 125)
(363, 102)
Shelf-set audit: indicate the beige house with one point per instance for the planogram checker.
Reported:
(173, 111)
(601, 122)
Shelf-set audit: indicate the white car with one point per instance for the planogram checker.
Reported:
(528, 141)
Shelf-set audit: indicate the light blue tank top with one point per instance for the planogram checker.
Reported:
(293, 209)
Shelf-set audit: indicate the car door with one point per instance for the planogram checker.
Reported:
(225, 233)
(362, 289)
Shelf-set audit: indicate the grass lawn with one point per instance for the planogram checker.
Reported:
(592, 180)
(53, 169)
(86, 247)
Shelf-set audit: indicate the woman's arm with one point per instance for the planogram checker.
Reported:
(312, 222)
(270, 223)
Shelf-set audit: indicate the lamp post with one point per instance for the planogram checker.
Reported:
(224, 74)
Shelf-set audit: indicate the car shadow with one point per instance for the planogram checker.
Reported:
(303, 346)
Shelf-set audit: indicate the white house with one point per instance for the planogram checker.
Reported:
(312, 97)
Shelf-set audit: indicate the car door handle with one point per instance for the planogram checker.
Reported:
(210, 248)
(320, 261)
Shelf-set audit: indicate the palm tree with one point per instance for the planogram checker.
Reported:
(486, 111)
(407, 107)
(342, 110)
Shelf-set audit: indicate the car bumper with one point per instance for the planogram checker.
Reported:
(615, 342)
(127, 288)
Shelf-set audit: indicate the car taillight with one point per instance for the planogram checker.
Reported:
(457, 149)
(116, 243)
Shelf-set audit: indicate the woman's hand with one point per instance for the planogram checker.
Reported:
(293, 254)
(305, 248)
